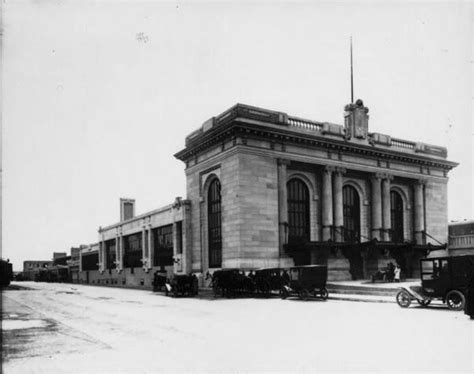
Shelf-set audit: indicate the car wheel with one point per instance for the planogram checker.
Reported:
(324, 294)
(304, 294)
(424, 302)
(403, 299)
(284, 293)
(455, 300)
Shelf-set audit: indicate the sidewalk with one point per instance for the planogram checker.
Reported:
(366, 291)
(358, 290)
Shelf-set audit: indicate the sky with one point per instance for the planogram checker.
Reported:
(97, 96)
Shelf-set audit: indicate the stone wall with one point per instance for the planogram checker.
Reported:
(436, 211)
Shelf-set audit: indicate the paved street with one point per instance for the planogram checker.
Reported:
(65, 328)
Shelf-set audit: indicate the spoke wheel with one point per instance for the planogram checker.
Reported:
(403, 299)
(324, 294)
(455, 300)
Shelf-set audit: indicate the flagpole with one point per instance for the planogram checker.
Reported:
(352, 78)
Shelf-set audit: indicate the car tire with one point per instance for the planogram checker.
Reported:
(324, 294)
(284, 293)
(455, 300)
(403, 299)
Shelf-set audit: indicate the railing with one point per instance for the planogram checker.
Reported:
(305, 124)
(461, 241)
(398, 143)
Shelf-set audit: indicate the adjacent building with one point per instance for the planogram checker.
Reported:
(461, 238)
(130, 251)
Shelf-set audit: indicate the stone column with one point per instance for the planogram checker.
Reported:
(144, 264)
(386, 208)
(150, 252)
(80, 260)
(282, 204)
(102, 264)
(327, 211)
(120, 252)
(117, 252)
(338, 205)
(419, 224)
(376, 207)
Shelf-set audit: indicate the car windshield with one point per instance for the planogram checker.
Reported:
(433, 269)
(294, 274)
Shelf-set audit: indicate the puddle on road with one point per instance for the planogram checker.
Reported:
(18, 324)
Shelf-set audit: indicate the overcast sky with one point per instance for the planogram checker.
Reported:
(98, 96)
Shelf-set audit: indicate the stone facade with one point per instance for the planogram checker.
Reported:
(255, 153)
(103, 270)
(265, 189)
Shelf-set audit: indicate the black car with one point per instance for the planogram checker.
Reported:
(442, 278)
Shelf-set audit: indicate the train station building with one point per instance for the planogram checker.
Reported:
(267, 189)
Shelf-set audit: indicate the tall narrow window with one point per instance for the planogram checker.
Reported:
(214, 224)
(110, 253)
(351, 210)
(396, 216)
(298, 211)
(163, 246)
(132, 245)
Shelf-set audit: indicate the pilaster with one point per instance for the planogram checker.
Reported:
(327, 203)
(338, 205)
(376, 207)
(282, 204)
(419, 207)
(386, 208)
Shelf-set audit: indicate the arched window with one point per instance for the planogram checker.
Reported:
(214, 224)
(396, 216)
(351, 211)
(298, 211)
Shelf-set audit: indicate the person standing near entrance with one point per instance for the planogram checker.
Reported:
(469, 305)
(396, 275)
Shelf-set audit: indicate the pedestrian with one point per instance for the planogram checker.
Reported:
(469, 306)
(396, 273)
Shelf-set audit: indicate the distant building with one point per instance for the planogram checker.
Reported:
(73, 263)
(461, 238)
(57, 255)
(32, 267)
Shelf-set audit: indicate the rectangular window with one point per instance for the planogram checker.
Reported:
(90, 261)
(110, 253)
(132, 245)
(179, 237)
(163, 246)
(127, 211)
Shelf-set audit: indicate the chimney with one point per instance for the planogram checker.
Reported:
(127, 209)
(356, 120)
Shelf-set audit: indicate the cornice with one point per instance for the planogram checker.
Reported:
(239, 128)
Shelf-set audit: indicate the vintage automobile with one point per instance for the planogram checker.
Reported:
(159, 282)
(442, 278)
(6, 273)
(306, 281)
(182, 284)
(270, 280)
(231, 282)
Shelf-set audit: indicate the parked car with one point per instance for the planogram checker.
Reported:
(270, 280)
(231, 282)
(442, 278)
(306, 281)
(182, 284)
